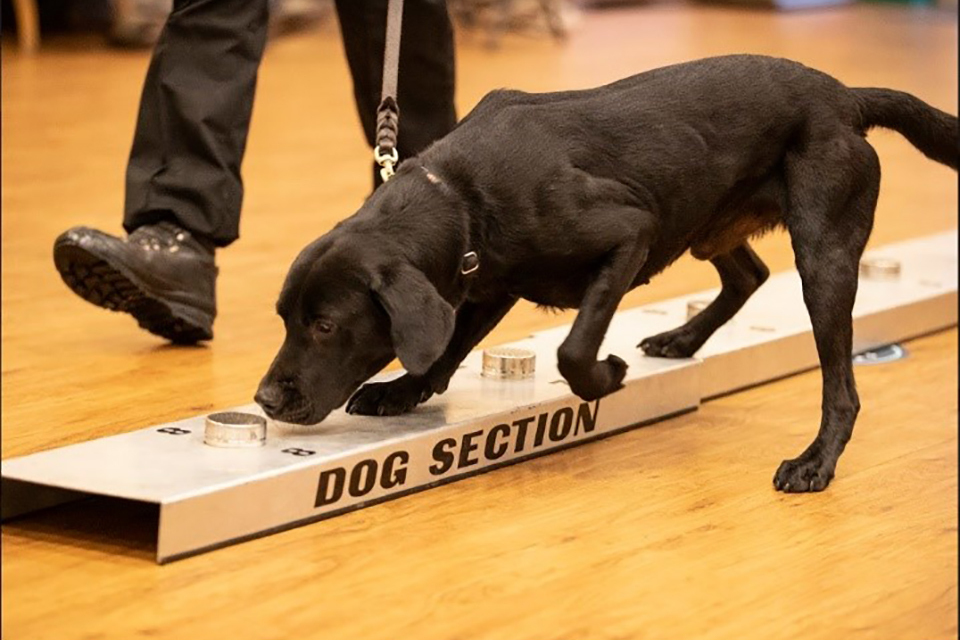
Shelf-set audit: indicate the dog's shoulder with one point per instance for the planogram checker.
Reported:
(495, 101)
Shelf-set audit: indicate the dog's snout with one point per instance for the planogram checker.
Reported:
(270, 397)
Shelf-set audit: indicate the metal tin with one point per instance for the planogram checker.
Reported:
(508, 363)
(234, 429)
(880, 268)
(881, 355)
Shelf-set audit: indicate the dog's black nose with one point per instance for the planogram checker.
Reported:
(269, 397)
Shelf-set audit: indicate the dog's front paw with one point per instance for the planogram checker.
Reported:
(811, 471)
(389, 398)
(605, 377)
(677, 343)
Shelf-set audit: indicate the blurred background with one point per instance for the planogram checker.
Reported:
(748, 565)
(136, 23)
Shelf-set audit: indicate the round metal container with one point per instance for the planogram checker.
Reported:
(880, 268)
(508, 363)
(233, 429)
(881, 355)
(696, 306)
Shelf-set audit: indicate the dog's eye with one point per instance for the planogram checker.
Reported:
(324, 326)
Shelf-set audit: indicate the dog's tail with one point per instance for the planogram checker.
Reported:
(935, 133)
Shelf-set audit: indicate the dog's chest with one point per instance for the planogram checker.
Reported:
(552, 287)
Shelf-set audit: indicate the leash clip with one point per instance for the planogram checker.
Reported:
(386, 162)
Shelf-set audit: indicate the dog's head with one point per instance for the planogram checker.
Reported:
(349, 307)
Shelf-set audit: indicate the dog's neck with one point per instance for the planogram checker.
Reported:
(433, 178)
(470, 262)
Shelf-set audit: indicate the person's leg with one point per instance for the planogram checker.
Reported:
(194, 116)
(426, 77)
(183, 180)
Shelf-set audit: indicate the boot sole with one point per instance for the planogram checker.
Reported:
(105, 285)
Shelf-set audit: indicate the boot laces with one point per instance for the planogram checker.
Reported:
(161, 236)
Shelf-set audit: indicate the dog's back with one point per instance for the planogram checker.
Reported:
(686, 132)
(694, 141)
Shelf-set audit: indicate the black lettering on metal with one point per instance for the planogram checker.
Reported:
(363, 477)
(561, 424)
(541, 429)
(586, 419)
(495, 449)
(394, 469)
(467, 447)
(443, 456)
(330, 486)
(521, 426)
(297, 451)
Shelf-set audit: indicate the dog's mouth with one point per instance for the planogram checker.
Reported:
(300, 411)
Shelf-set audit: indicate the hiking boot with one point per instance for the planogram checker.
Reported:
(161, 274)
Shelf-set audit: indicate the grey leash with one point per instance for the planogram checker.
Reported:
(388, 113)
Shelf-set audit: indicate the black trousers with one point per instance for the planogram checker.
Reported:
(198, 96)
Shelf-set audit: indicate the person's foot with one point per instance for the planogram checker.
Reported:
(161, 274)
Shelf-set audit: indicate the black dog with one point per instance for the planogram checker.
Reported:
(571, 199)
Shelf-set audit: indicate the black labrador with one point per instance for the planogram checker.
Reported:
(571, 199)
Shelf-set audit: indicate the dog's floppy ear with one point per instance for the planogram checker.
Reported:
(421, 322)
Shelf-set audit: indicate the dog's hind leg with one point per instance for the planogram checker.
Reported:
(741, 273)
(833, 188)
(577, 356)
(474, 321)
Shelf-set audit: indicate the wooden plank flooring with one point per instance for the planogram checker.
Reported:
(672, 531)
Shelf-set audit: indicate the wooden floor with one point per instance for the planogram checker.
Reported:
(672, 531)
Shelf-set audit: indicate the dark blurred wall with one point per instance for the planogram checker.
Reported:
(65, 15)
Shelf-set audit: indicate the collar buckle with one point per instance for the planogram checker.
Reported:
(470, 263)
